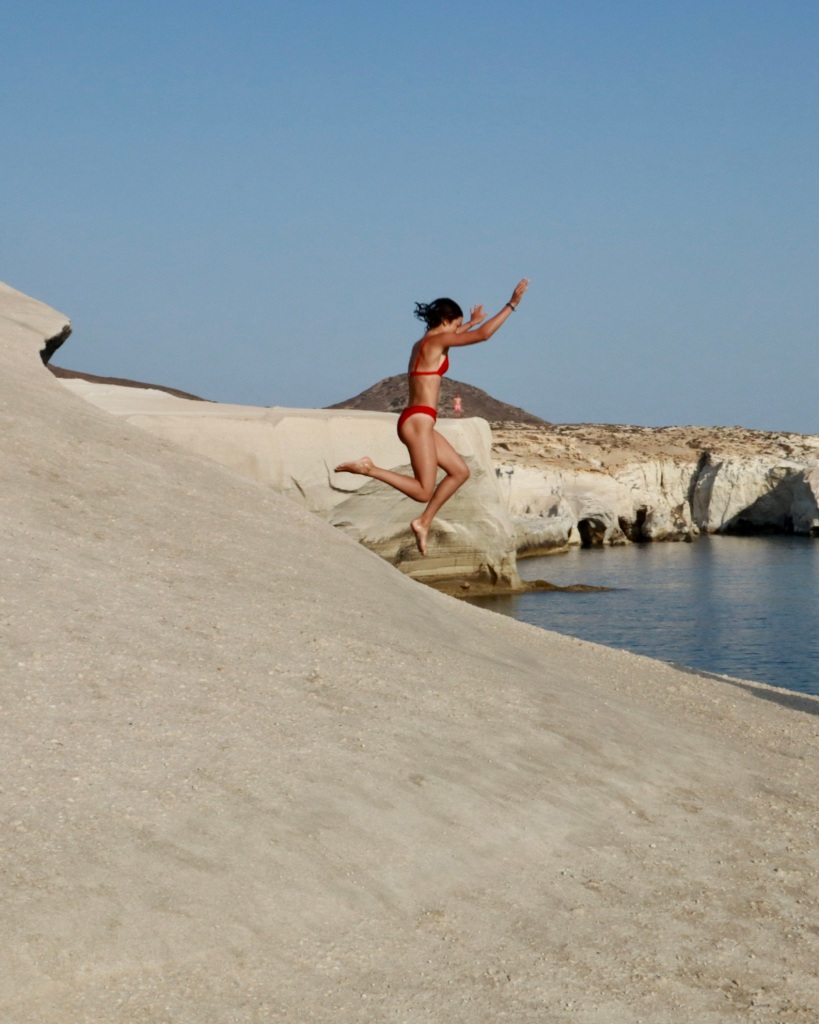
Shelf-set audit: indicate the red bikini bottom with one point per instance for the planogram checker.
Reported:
(412, 410)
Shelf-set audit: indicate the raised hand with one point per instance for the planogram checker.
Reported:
(517, 294)
(476, 314)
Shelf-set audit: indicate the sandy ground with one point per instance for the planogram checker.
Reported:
(251, 773)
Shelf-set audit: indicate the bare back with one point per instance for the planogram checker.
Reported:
(428, 362)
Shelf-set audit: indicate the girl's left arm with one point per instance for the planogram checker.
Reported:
(476, 315)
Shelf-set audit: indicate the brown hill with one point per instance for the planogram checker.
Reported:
(390, 395)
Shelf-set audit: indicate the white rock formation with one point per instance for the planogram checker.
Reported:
(553, 508)
(571, 507)
(472, 538)
(756, 494)
(294, 451)
(547, 489)
(609, 484)
(654, 501)
(805, 507)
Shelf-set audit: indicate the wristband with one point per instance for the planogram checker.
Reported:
(513, 308)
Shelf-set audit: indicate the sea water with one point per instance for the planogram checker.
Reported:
(741, 606)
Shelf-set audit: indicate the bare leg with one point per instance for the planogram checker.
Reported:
(417, 435)
(457, 473)
(428, 450)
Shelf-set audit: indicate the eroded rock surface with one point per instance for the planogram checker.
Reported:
(535, 489)
(606, 484)
(472, 537)
(295, 452)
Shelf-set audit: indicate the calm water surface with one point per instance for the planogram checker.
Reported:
(745, 607)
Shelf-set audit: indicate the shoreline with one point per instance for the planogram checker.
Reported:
(471, 588)
(740, 606)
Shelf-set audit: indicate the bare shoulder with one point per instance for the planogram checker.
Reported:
(416, 349)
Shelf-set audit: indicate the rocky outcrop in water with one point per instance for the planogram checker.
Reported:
(756, 496)
(601, 485)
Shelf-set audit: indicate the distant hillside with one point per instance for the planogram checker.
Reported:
(390, 395)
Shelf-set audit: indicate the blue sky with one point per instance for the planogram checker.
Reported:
(245, 200)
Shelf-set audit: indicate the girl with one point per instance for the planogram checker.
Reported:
(428, 449)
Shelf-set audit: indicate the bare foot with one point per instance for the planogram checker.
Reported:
(421, 533)
(361, 466)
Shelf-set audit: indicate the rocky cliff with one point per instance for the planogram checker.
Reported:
(294, 452)
(535, 489)
(605, 484)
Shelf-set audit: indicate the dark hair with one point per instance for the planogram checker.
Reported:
(438, 311)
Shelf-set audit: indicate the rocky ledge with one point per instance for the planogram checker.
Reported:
(535, 488)
(600, 484)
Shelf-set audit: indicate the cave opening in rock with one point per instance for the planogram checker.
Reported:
(592, 532)
(633, 528)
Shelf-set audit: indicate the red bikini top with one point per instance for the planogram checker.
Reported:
(429, 373)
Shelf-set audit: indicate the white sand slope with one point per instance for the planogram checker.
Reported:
(251, 773)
